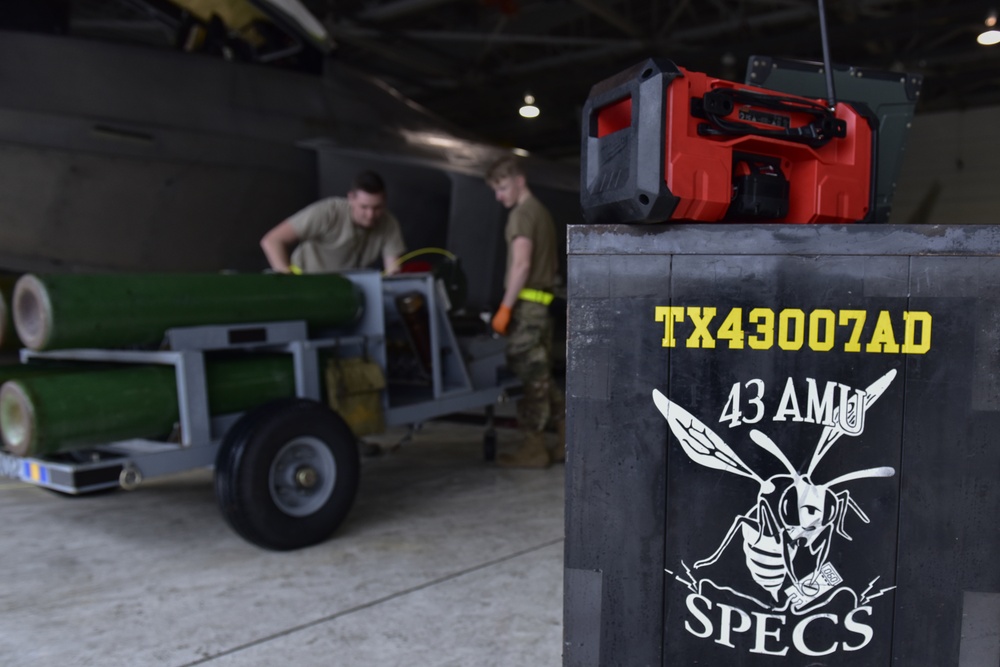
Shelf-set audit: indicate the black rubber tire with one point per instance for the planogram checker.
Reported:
(250, 459)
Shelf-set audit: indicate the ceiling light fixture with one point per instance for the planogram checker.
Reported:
(529, 110)
(991, 35)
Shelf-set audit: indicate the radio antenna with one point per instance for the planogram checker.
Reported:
(831, 94)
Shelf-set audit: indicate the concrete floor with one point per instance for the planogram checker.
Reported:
(444, 560)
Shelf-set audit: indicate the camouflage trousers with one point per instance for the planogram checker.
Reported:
(529, 356)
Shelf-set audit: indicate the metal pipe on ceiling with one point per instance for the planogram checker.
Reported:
(398, 9)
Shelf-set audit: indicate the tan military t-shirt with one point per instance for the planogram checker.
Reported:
(329, 241)
(533, 221)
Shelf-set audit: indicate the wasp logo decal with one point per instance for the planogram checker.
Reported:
(788, 532)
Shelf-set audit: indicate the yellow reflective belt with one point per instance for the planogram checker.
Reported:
(535, 296)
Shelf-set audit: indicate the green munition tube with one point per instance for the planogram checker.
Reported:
(45, 414)
(116, 310)
(8, 335)
(15, 371)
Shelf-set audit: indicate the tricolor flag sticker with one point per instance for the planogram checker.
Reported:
(33, 472)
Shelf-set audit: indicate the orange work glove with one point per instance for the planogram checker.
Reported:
(501, 320)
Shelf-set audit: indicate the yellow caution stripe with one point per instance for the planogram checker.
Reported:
(535, 296)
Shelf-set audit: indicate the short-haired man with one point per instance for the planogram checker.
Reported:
(338, 233)
(523, 315)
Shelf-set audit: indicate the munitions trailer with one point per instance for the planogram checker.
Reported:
(286, 472)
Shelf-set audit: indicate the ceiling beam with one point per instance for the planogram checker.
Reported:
(600, 9)
(398, 9)
(477, 38)
(724, 9)
(622, 48)
(375, 42)
(742, 23)
(678, 37)
(675, 15)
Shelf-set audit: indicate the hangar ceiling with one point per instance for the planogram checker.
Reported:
(472, 61)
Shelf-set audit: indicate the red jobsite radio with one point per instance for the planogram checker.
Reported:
(662, 143)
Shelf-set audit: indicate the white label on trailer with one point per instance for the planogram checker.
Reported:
(10, 466)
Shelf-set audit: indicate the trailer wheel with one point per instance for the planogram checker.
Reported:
(286, 474)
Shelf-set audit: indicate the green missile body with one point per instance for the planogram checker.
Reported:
(63, 311)
(49, 413)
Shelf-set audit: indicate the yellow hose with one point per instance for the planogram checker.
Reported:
(416, 253)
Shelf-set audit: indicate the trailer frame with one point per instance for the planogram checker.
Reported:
(465, 374)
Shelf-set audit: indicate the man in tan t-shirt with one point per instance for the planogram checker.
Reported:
(335, 234)
(523, 315)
